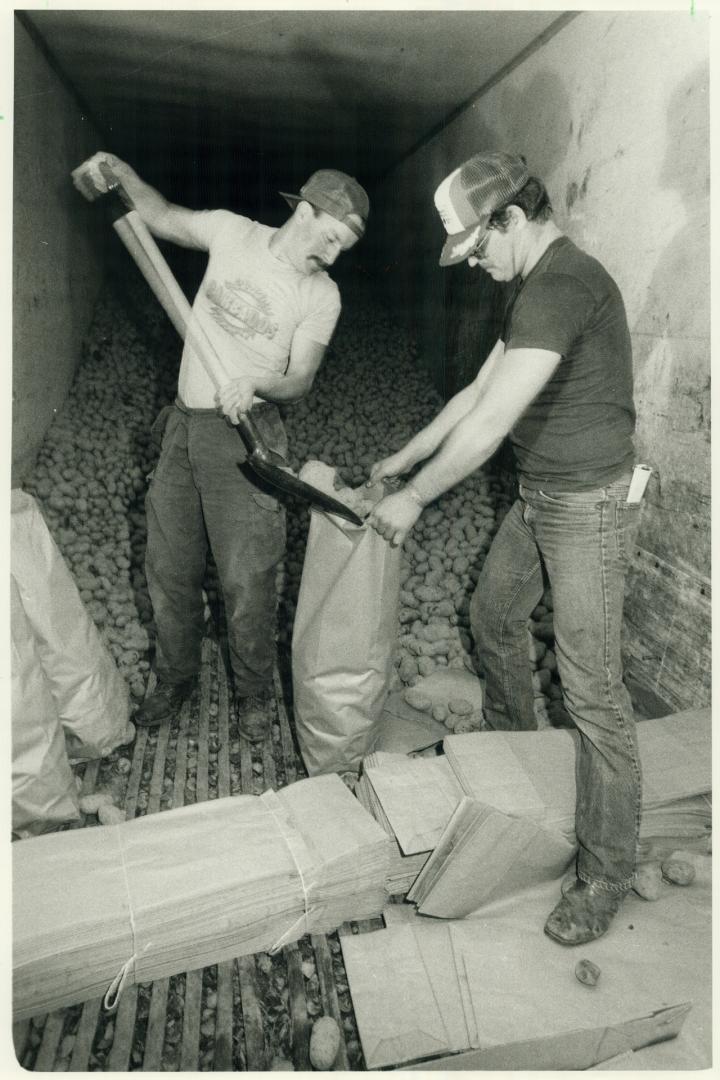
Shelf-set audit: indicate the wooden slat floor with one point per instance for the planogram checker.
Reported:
(248, 1014)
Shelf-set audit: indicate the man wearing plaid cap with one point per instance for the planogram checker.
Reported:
(269, 309)
(559, 383)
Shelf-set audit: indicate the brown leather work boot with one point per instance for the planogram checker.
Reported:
(254, 713)
(163, 703)
(583, 914)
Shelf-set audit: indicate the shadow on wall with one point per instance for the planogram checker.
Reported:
(672, 340)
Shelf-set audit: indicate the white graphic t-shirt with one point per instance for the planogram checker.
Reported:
(250, 305)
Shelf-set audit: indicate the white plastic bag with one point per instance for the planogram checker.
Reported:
(90, 694)
(343, 642)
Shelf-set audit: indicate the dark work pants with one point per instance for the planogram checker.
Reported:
(200, 497)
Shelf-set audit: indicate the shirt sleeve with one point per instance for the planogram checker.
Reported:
(549, 313)
(320, 321)
(206, 225)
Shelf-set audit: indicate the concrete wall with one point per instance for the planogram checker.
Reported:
(612, 112)
(57, 247)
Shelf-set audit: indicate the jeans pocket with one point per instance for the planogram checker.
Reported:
(267, 527)
(266, 501)
(627, 520)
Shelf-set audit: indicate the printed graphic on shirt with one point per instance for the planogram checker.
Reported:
(242, 309)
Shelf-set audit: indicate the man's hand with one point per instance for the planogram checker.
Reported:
(92, 177)
(236, 397)
(386, 469)
(395, 515)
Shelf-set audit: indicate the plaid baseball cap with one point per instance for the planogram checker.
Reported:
(468, 197)
(337, 194)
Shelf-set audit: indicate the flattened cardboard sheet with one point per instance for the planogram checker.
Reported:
(395, 1008)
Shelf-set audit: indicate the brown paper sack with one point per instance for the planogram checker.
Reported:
(343, 642)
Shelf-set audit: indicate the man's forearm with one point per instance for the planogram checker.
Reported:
(161, 217)
(464, 451)
(149, 203)
(426, 442)
(284, 389)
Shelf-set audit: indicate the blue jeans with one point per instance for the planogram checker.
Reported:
(582, 541)
(199, 498)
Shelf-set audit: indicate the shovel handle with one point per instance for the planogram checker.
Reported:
(151, 262)
(252, 437)
(148, 261)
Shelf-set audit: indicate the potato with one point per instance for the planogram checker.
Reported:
(678, 871)
(408, 668)
(426, 665)
(460, 706)
(648, 881)
(541, 679)
(90, 804)
(472, 722)
(435, 632)
(417, 700)
(429, 593)
(549, 661)
(536, 650)
(324, 1043)
(435, 648)
(587, 972)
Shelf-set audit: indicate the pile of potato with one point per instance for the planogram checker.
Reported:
(371, 395)
(90, 474)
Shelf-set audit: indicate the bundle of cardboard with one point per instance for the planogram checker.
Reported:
(427, 794)
(533, 773)
(484, 854)
(176, 891)
(505, 802)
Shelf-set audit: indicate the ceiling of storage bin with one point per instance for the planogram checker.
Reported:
(288, 91)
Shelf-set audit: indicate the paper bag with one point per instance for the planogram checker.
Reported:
(44, 794)
(90, 694)
(343, 642)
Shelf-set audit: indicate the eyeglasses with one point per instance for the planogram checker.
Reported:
(481, 246)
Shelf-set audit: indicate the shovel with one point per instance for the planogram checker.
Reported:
(138, 240)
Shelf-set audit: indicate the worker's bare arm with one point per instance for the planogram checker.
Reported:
(306, 356)
(426, 442)
(507, 392)
(164, 219)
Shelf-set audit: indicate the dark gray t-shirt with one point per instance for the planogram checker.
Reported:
(577, 433)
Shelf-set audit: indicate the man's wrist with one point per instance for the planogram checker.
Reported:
(414, 494)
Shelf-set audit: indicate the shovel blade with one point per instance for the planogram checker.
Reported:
(288, 482)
